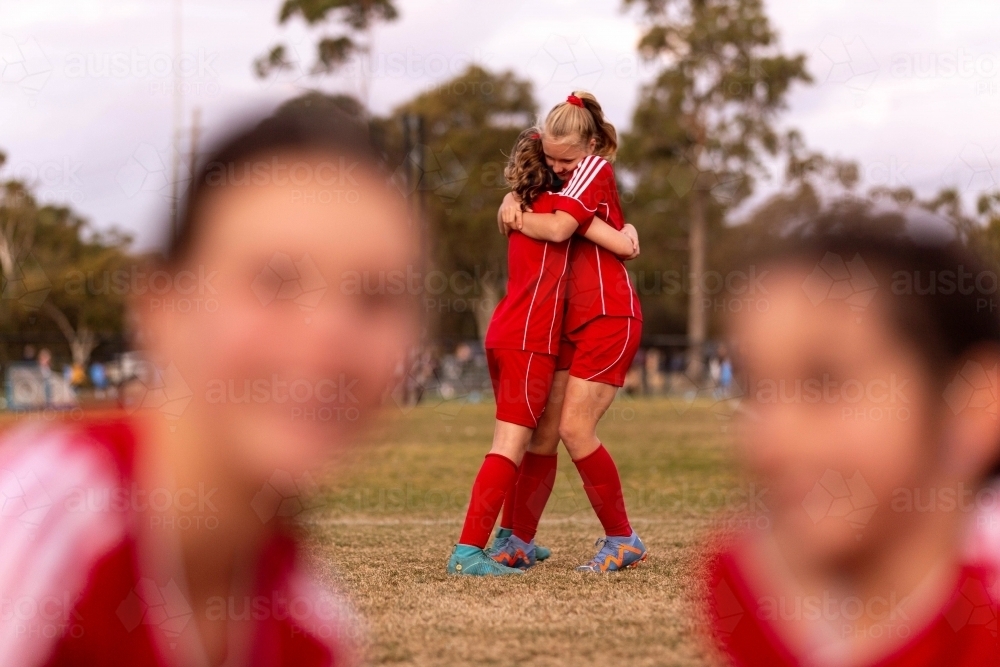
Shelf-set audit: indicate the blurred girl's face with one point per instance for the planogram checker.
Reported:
(841, 416)
(564, 154)
(302, 314)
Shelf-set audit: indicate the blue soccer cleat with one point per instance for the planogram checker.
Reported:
(475, 562)
(512, 551)
(541, 553)
(616, 553)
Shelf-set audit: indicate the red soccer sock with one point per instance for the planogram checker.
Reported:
(507, 517)
(604, 489)
(534, 485)
(488, 491)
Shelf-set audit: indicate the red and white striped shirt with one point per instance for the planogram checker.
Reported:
(599, 283)
(77, 586)
(530, 316)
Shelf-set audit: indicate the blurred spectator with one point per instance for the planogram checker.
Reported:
(45, 366)
(726, 376)
(634, 377)
(99, 379)
(67, 378)
(77, 376)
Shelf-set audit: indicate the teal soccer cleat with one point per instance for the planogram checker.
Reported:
(475, 562)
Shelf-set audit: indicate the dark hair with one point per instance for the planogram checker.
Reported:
(526, 172)
(238, 158)
(920, 285)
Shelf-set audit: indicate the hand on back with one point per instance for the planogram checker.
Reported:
(509, 217)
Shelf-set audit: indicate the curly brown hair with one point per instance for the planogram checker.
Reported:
(526, 172)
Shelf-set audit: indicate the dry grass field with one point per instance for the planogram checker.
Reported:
(387, 521)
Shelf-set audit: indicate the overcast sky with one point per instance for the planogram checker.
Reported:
(908, 88)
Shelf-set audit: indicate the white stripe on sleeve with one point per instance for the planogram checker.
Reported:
(593, 169)
(51, 537)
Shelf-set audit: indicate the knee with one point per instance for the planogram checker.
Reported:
(571, 431)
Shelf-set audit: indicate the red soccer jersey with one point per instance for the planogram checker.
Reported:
(79, 587)
(530, 316)
(962, 634)
(599, 283)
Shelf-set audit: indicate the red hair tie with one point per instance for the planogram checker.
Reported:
(535, 136)
(575, 101)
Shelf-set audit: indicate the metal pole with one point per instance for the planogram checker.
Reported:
(195, 133)
(178, 121)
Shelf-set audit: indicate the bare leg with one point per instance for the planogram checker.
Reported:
(510, 440)
(584, 405)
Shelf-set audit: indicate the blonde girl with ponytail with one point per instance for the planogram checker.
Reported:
(602, 328)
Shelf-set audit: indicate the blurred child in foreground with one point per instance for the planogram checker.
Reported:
(157, 540)
(871, 419)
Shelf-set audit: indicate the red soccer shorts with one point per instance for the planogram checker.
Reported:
(601, 350)
(521, 383)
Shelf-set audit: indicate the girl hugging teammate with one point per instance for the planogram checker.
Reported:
(522, 345)
(559, 343)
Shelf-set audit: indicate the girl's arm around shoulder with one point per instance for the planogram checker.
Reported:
(623, 243)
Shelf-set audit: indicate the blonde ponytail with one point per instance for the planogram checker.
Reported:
(580, 117)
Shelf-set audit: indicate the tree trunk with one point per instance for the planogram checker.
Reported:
(82, 340)
(696, 327)
(82, 346)
(6, 259)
